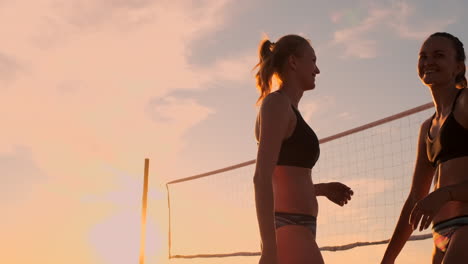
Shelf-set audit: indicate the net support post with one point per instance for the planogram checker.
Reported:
(143, 212)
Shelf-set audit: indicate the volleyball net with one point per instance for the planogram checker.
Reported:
(213, 214)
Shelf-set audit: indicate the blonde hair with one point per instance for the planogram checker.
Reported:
(272, 57)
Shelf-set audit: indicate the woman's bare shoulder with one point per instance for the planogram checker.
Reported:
(274, 103)
(461, 110)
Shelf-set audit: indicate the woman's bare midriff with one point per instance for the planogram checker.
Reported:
(294, 190)
(452, 172)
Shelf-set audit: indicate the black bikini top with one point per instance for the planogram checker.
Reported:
(302, 148)
(451, 142)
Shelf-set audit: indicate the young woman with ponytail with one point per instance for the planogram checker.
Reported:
(443, 154)
(288, 149)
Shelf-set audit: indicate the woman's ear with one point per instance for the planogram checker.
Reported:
(292, 62)
(461, 67)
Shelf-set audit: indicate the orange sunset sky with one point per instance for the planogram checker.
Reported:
(90, 88)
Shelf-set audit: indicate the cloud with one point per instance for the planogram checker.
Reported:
(401, 25)
(345, 115)
(63, 19)
(85, 16)
(350, 16)
(20, 175)
(233, 69)
(359, 40)
(320, 113)
(336, 16)
(69, 87)
(9, 69)
(97, 94)
(174, 111)
(94, 92)
(354, 40)
(317, 107)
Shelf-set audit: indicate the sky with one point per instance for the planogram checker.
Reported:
(90, 89)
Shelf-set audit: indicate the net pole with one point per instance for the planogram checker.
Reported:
(143, 212)
(169, 223)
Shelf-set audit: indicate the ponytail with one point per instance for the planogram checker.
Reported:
(265, 69)
(461, 80)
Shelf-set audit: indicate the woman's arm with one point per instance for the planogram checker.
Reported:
(336, 192)
(422, 179)
(320, 189)
(273, 118)
(427, 208)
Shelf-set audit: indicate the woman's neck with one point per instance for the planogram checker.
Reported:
(293, 92)
(443, 97)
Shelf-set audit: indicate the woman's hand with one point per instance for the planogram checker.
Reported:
(337, 193)
(428, 207)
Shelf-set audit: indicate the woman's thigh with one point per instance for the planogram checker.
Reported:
(296, 245)
(457, 250)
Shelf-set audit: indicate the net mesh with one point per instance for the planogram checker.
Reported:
(377, 164)
(213, 214)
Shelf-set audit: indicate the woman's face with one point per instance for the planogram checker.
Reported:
(307, 68)
(437, 64)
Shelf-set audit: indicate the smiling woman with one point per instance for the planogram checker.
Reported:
(442, 155)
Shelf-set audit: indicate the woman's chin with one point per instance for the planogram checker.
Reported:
(310, 87)
(427, 81)
(432, 82)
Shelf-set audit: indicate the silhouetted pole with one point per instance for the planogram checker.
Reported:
(143, 213)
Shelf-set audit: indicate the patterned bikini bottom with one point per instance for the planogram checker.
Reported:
(283, 219)
(442, 232)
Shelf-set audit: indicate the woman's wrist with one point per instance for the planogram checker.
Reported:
(449, 193)
(320, 189)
